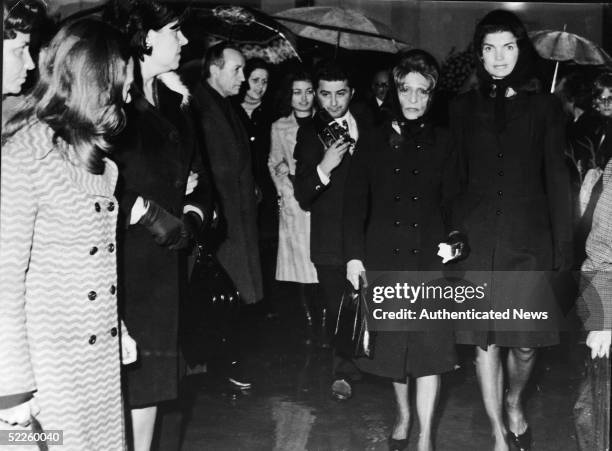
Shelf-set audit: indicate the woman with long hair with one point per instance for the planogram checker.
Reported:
(406, 220)
(163, 200)
(59, 339)
(514, 208)
(293, 259)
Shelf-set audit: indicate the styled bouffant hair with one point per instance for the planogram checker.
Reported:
(282, 103)
(135, 18)
(249, 67)
(214, 56)
(21, 16)
(331, 71)
(79, 93)
(418, 61)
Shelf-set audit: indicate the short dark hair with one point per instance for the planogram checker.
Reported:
(21, 16)
(331, 71)
(577, 89)
(214, 56)
(418, 61)
(249, 67)
(136, 18)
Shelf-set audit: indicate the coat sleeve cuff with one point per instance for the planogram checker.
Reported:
(6, 402)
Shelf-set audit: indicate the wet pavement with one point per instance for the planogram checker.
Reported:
(290, 407)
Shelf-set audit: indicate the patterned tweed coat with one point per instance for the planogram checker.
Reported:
(58, 321)
(293, 261)
(595, 302)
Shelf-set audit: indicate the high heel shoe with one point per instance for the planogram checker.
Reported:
(397, 444)
(521, 441)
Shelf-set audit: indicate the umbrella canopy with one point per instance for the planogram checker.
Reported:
(564, 46)
(345, 28)
(256, 33)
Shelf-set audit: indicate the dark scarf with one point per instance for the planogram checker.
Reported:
(522, 78)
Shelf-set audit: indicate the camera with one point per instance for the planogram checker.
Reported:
(329, 131)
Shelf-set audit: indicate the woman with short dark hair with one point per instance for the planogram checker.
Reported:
(407, 216)
(59, 343)
(163, 198)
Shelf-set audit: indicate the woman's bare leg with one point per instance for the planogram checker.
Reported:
(143, 426)
(427, 390)
(402, 421)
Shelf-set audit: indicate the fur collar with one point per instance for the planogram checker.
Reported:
(173, 82)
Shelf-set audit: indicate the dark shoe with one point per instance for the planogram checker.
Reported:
(236, 377)
(397, 444)
(521, 441)
(341, 389)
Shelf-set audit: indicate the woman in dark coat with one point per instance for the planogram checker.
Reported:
(515, 205)
(157, 158)
(404, 168)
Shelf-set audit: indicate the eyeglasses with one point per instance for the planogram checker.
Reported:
(420, 92)
(604, 100)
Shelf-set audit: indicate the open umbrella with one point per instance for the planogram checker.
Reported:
(256, 33)
(563, 46)
(345, 28)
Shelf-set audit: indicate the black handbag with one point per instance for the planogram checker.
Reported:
(353, 337)
(210, 308)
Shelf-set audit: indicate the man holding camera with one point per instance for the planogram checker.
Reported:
(323, 152)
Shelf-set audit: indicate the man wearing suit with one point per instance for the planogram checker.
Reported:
(228, 151)
(380, 86)
(319, 187)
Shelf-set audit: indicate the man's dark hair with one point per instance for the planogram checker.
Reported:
(331, 71)
(21, 16)
(214, 56)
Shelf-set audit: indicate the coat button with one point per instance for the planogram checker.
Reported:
(97, 207)
(397, 223)
(396, 146)
(318, 188)
(397, 170)
(415, 224)
(111, 248)
(416, 251)
(500, 193)
(500, 155)
(92, 339)
(396, 251)
(252, 138)
(397, 197)
(113, 332)
(500, 173)
(113, 289)
(111, 206)
(419, 147)
(416, 171)
(93, 250)
(498, 212)
(92, 295)
(415, 198)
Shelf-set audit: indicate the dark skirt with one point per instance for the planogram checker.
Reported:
(398, 355)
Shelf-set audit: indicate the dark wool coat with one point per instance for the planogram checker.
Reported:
(323, 201)
(407, 181)
(227, 147)
(154, 154)
(515, 204)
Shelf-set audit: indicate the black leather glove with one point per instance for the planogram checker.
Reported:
(459, 245)
(166, 228)
(190, 228)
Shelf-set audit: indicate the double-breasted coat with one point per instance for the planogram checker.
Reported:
(58, 291)
(396, 199)
(155, 153)
(515, 203)
(293, 260)
(228, 152)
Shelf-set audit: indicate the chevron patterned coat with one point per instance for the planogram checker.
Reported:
(58, 321)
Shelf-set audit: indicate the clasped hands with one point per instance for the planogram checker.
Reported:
(454, 248)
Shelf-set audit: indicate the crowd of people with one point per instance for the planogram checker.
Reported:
(113, 168)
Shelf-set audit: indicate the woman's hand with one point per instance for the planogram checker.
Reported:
(129, 349)
(192, 182)
(599, 342)
(21, 414)
(355, 270)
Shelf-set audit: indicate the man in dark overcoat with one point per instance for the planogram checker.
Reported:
(319, 188)
(227, 147)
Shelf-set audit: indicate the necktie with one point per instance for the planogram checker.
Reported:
(345, 125)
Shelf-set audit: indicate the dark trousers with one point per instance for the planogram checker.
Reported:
(332, 281)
